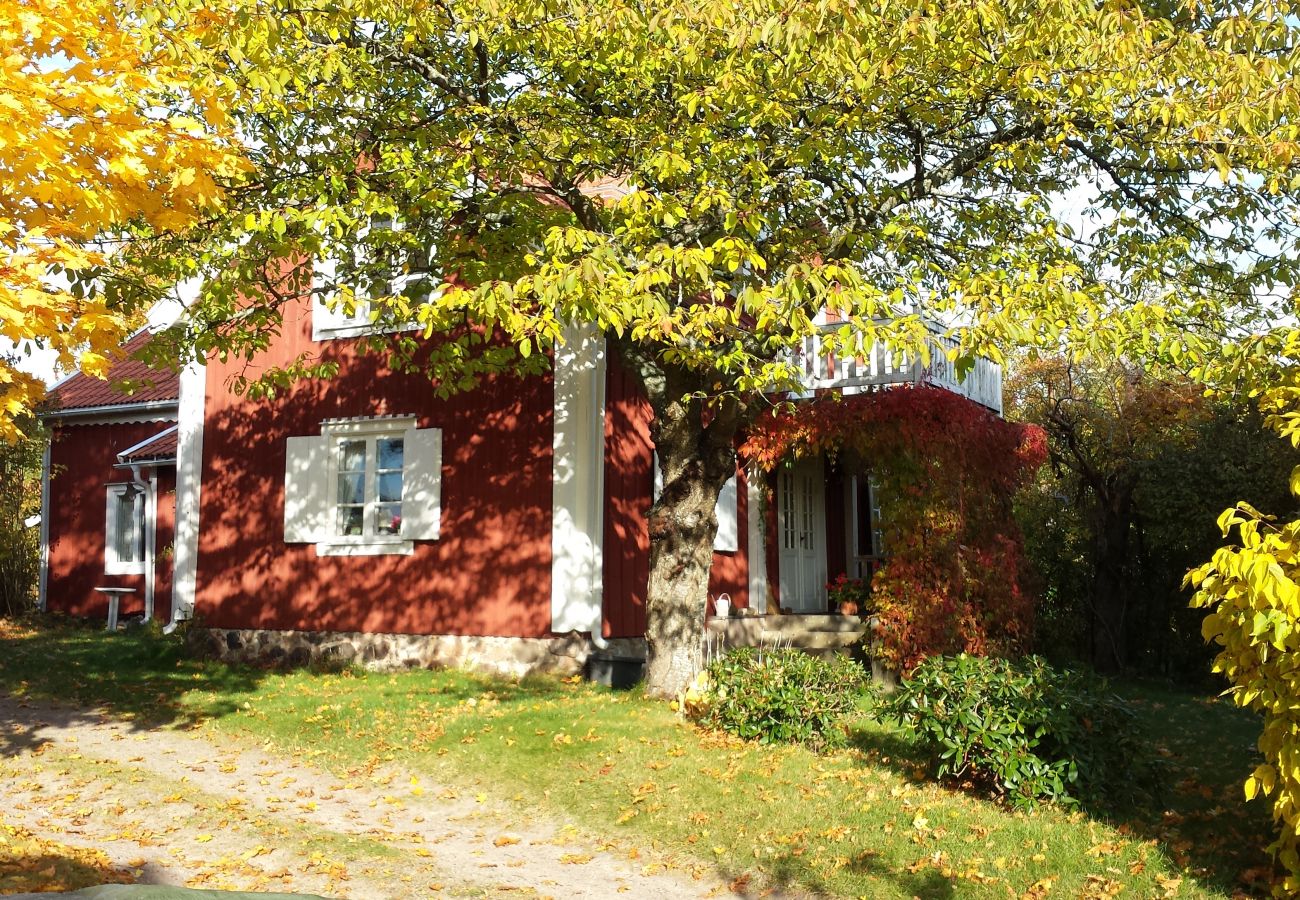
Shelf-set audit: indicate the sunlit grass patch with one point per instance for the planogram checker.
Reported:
(865, 821)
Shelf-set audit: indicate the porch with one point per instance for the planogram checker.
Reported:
(883, 367)
(823, 634)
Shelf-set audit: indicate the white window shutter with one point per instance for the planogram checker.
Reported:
(728, 536)
(422, 484)
(110, 531)
(306, 489)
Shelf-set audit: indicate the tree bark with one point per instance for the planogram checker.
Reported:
(1114, 520)
(696, 449)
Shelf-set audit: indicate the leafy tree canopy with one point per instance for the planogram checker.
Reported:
(100, 132)
(701, 181)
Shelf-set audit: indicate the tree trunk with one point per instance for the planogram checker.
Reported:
(1114, 519)
(695, 461)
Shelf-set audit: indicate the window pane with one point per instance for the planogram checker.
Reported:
(127, 532)
(352, 456)
(388, 519)
(391, 451)
(352, 488)
(864, 522)
(390, 487)
(350, 520)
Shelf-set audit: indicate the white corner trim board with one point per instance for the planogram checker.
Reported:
(189, 471)
(44, 577)
(757, 556)
(578, 483)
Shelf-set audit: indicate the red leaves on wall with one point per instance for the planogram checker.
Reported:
(946, 469)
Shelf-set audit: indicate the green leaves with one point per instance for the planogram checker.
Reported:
(1022, 729)
(1253, 600)
(778, 696)
(705, 180)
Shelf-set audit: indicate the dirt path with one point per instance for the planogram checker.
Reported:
(190, 808)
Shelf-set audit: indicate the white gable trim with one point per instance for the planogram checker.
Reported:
(578, 483)
(189, 471)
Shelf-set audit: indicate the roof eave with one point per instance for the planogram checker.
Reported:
(110, 409)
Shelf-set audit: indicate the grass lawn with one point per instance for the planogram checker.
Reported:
(862, 822)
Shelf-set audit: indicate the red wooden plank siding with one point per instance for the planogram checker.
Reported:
(629, 482)
(81, 466)
(730, 572)
(490, 572)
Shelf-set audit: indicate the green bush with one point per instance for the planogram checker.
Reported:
(1021, 729)
(784, 696)
(20, 497)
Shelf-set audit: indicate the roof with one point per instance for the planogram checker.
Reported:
(86, 392)
(162, 446)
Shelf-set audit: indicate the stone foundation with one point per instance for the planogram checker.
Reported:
(510, 656)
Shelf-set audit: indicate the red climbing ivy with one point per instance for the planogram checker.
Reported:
(955, 577)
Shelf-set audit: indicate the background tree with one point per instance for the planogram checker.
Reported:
(1141, 463)
(100, 132)
(20, 502)
(699, 181)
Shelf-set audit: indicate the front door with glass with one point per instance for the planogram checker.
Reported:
(801, 536)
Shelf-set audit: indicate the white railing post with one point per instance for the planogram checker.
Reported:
(879, 365)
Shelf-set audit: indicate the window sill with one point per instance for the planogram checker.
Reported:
(365, 548)
(124, 568)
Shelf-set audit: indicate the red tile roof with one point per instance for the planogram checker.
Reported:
(161, 446)
(83, 391)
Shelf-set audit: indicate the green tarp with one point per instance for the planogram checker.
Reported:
(161, 892)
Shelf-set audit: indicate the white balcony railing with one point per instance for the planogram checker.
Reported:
(883, 366)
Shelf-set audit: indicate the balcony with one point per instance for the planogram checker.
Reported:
(883, 367)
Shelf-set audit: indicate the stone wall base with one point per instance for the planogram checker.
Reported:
(510, 656)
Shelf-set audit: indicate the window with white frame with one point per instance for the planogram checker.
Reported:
(364, 486)
(368, 485)
(124, 527)
(382, 265)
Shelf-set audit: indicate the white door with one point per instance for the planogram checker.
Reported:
(801, 531)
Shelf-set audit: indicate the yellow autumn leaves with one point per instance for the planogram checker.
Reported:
(1251, 593)
(100, 132)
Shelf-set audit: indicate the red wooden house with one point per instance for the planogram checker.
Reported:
(363, 517)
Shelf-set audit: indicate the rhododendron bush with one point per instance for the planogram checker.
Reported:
(946, 469)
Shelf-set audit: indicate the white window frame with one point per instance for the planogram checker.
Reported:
(140, 518)
(330, 323)
(371, 431)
